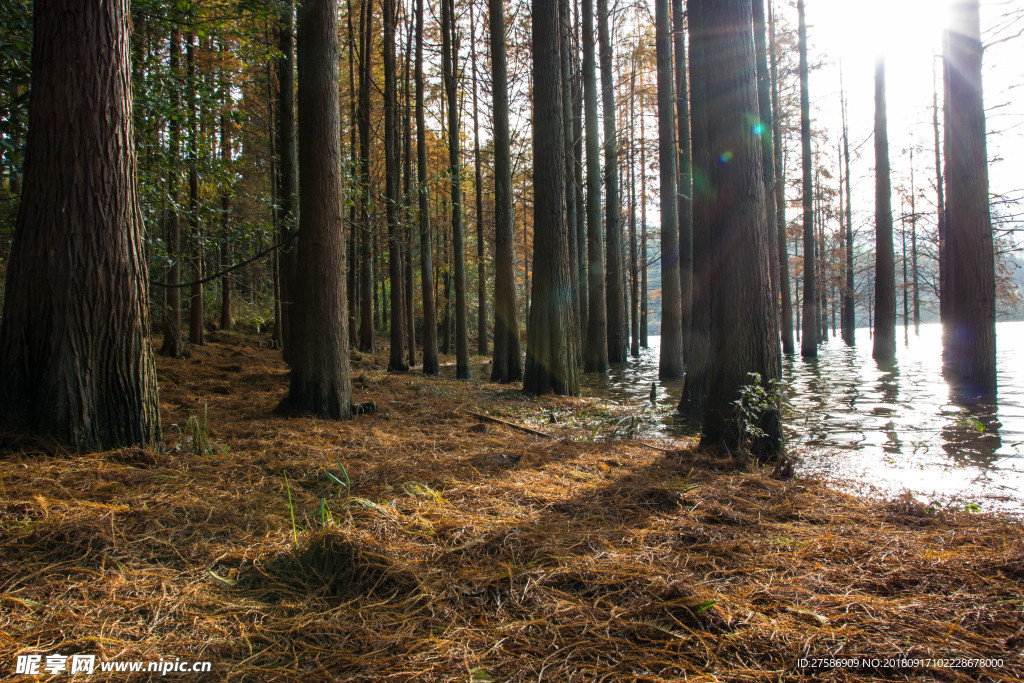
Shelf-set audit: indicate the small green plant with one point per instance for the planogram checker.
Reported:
(755, 400)
(291, 509)
(970, 420)
(195, 437)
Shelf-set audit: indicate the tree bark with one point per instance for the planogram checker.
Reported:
(969, 333)
(884, 349)
(618, 331)
(507, 365)
(481, 264)
(79, 368)
(785, 292)
(196, 312)
(450, 58)
(744, 327)
(670, 364)
(550, 361)
(319, 381)
(396, 356)
(809, 338)
(174, 344)
(288, 179)
(595, 356)
(430, 361)
(684, 191)
(367, 338)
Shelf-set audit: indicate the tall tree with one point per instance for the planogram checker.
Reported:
(684, 190)
(288, 169)
(481, 264)
(618, 332)
(969, 331)
(849, 313)
(809, 337)
(409, 290)
(226, 322)
(568, 139)
(670, 364)
(550, 359)
(196, 316)
(884, 349)
(76, 362)
(430, 362)
(367, 340)
(507, 365)
(744, 327)
(595, 355)
(785, 294)
(449, 59)
(392, 192)
(319, 380)
(174, 344)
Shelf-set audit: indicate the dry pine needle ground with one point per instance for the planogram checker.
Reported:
(462, 550)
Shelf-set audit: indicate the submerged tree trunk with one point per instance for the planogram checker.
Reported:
(507, 366)
(849, 316)
(809, 338)
(595, 356)
(884, 349)
(744, 327)
(319, 381)
(79, 367)
(618, 332)
(969, 332)
(550, 361)
(670, 365)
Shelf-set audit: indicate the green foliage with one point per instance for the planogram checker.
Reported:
(195, 436)
(756, 399)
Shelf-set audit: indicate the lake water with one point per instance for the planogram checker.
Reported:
(874, 430)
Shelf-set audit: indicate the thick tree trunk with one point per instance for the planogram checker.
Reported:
(809, 337)
(595, 356)
(744, 327)
(550, 360)
(396, 357)
(174, 344)
(319, 381)
(785, 292)
(684, 190)
(79, 368)
(969, 332)
(670, 365)
(288, 179)
(507, 366)
(430, 362)
(618, 331)
(450, 59)
(695, 388)
(884, 349)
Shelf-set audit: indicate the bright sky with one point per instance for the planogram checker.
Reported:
(908, 33)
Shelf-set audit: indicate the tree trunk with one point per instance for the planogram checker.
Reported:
(396, 357)
(408, 290)
(568, 139)
(430, 362)
(618, 332)
(79, 368)
(174, 344)
(319, 381)
(367, 338)
(684, 190)
(744, 327)
(507, 366)
(196, 313)
(884, 349)
(450, 59)
(550, 360)
(969, 333)
(694, 395)
(481, 264)
(595, 356)
(670, 365)
(634, 270)
(644, 342)
(288, 179)
(849, 317)
(785, 292)
(809, 338)
(226, 323)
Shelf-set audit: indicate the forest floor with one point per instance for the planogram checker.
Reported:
(420, 543)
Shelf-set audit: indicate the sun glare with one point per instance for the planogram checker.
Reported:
(899, 30)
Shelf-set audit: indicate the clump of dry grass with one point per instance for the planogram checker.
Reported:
(463, 550)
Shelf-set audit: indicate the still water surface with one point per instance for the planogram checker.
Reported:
(880, 430)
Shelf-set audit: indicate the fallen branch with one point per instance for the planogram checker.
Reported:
(513, 425)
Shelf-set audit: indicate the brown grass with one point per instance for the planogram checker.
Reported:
(468, 551)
